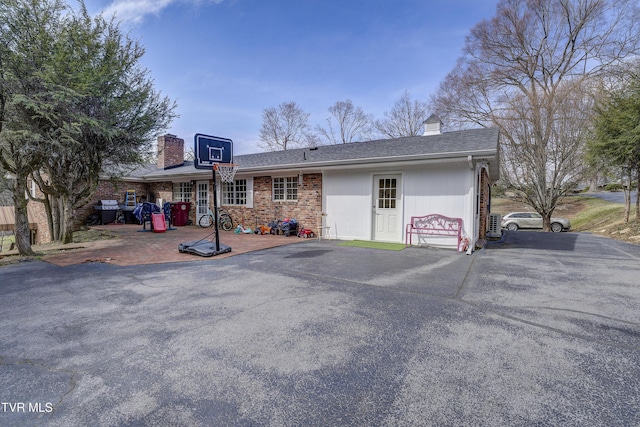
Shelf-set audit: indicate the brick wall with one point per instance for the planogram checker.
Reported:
(107, 190)
(38, 212)
(162, 190)
(116, 190)
(170, 151)
(306, 209)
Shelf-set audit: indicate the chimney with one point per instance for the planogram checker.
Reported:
(432, 126)
(170, 151)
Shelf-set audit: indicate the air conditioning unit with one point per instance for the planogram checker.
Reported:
(495, 229)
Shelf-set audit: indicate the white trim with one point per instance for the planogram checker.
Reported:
(218, 190)
(399, 207)
(179, 196)
(292, 179)
(234, 193)
(200, 212)
(249, 192)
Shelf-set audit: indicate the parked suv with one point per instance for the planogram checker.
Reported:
(516, 220)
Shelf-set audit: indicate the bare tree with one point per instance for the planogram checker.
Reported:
(406, 118)
(189, 154)
(541, 174)
(312, 140)
(346, 124)
(528, 72)
(284, 127)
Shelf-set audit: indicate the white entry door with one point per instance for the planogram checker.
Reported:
(388, 208)
(202, 199)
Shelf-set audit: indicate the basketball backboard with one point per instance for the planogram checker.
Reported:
(210, 150)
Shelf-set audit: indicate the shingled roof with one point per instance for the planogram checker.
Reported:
(444, 145)
(475, 142)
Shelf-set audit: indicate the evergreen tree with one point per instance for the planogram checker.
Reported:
(616, 135)
(74, 98)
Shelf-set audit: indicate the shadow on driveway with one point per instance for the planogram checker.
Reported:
(536, 240)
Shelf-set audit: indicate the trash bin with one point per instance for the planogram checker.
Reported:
(180, 213)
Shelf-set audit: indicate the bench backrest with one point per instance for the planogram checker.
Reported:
(439, 223)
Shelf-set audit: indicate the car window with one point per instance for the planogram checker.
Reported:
(536, 215)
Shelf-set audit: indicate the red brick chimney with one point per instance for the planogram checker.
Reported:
(170, 151)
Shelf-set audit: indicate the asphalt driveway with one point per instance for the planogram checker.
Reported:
(541, 329)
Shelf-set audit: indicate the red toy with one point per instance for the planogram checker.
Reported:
(159, 225)
(306, 233)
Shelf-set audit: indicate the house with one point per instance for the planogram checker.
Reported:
(364, 190)
(8, 221)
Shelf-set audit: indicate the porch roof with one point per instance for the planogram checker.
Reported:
(8, 219)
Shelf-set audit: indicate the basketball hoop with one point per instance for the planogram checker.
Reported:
(227, 171)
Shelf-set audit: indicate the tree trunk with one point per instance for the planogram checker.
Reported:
(47, 208)
(21, 228)
(593, 184)
(55, 217)
(638, 194)
(546, 222)
(627, 203)
(627, 198)
(66, 219)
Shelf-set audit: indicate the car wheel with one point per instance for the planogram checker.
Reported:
(556, 227)
(512, 226)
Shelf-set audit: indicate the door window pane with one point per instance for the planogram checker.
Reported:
(387, 193)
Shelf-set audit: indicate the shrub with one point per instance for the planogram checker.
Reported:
(613, 187)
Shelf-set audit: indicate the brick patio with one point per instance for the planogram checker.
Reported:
(134, 247)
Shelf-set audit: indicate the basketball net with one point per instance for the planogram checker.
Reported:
(227, 171)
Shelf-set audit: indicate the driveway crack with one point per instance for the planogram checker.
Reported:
(72, 383)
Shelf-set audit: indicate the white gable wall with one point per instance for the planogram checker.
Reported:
(445, 188)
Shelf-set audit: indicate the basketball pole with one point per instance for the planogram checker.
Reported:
(215, 208)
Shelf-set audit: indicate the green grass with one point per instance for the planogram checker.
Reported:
(596, 213)
(374, 245)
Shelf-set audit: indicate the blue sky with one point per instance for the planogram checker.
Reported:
(225, 61)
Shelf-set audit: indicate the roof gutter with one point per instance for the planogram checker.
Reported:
(479, 154)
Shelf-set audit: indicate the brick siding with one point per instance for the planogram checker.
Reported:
(41, 233)
(107, 190)
(306, 210)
